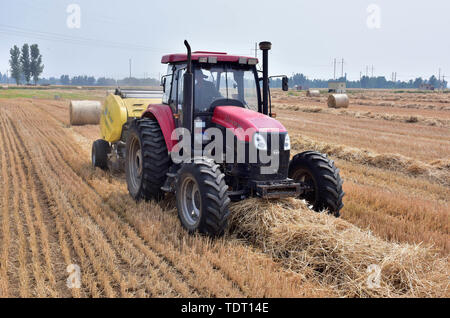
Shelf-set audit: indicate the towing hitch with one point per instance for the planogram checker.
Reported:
(277, 189)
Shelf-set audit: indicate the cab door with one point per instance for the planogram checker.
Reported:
(177, 104)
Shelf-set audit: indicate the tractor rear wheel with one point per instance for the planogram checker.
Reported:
(202, 199)
(100, 151)
(147, 160)
(318, 172)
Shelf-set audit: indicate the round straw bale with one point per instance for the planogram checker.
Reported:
(338, 101)
(312, 93)
(85, 112)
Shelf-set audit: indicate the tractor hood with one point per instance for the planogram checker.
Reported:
(241, 120)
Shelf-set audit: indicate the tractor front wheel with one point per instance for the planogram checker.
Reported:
(202, 199)
(320, 175)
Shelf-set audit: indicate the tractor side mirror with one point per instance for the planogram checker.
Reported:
(285, 84)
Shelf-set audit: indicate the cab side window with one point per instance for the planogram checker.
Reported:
(180, 83)
(168, 87)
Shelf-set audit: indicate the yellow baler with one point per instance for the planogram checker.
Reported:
(119, 108)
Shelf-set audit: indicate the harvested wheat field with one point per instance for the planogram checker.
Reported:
(56, 210)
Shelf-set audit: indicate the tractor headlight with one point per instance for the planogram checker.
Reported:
(259, 141)
(287, 142)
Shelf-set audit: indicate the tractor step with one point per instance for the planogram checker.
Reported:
(276, 189)
(169, 185)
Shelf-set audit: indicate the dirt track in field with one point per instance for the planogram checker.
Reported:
(56, 210)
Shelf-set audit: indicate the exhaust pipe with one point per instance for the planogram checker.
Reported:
(188, 92)
(265, 47)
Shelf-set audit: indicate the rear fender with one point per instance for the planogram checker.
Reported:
(164, 116)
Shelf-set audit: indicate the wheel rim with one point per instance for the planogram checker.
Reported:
(190, 201)
(307, 179)
(93, 159)
(135, 164)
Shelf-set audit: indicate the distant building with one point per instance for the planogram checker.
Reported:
(337, 87)
(426, 87)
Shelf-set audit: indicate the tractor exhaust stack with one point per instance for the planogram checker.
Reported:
(265, 47)
(188, 91)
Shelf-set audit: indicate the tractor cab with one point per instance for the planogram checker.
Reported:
(219, 79)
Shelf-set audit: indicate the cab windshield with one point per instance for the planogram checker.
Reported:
(227, 84)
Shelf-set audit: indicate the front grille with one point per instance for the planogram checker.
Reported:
(259, 171)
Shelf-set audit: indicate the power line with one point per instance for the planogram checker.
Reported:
(75, 40)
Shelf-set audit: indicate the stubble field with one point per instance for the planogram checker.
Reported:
(393, 150)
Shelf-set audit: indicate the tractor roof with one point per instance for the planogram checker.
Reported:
(218, 56)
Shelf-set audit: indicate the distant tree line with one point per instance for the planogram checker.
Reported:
(365, 82)
(32, 67)
(26, 64)
(84, 80)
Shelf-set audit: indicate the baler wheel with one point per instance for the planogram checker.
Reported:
(319, 173)
(100, 151)
(147, 160)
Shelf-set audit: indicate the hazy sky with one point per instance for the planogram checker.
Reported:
(412, 38)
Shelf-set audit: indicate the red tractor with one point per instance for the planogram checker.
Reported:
(209, 90)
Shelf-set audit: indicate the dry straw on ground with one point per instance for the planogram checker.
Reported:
(435, 171)
(337, 253)
(429, 121)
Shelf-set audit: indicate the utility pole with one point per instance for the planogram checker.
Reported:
(7, 77)
(342, 73)
(372, 70)
(334, 76)
(367, 71)
(256, 50)
(130, 68)
(440, 78)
